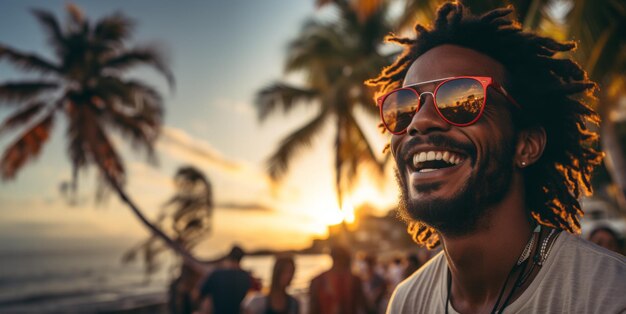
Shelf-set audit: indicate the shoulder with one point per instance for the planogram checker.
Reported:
(421, 292)
(316, 282)
(575, 271)
(588, 256)
(230, 274)
(318, 278)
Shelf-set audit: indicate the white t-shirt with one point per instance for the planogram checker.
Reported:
(577, 277)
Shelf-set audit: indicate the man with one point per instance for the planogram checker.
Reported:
(607, 238)
(337, 290)
(225, 287)
(492, 153)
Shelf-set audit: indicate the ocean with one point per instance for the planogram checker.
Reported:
(95, 280)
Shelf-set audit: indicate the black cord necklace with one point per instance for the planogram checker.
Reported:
(521, 262)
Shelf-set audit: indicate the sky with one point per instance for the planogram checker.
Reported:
(221, 54)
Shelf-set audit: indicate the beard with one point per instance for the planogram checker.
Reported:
(464, 212)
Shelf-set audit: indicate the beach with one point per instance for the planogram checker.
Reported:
(95, 281)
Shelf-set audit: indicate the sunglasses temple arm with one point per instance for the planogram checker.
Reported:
(504, 93)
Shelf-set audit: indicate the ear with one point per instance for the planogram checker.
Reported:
(530, 145)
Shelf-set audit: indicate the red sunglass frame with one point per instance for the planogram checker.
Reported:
(484, 81)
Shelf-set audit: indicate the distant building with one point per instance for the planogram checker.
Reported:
(369, 233)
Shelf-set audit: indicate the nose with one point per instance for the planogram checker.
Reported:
(427, 119)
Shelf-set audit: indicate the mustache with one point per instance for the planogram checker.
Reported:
(438, 140)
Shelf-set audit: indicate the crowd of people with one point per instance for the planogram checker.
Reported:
(362, 286)
(355, 283)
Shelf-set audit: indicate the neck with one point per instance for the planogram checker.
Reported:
(230, 264)
(481, 261)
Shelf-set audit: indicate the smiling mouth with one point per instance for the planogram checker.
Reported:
(429, 161)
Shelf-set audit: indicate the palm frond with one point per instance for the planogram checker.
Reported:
(51, 26)
(140, 129)
(279, 95)
(21, 117)
(186, 217)
(361, 150)
(365, 9)
(367, 102)
(132, 107)
(114, 28)
(104, 153)
(78, 155)
(421, 11)
(26, 147)
(76, 17)
(24, 90)
(89, 143)
(28, 62)
(318, 45)
(278, 163)
(132, 94)
(139, 56)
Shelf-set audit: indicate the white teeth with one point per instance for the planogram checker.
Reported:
(430, 156)
(422, 157)
(446, 156)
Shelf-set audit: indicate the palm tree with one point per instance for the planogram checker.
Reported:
(86, 83)
(186, 217)
(598, 27)
(337, 57)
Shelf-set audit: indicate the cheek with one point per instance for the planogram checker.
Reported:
(492, 144)
(394, 147)
(394, 144)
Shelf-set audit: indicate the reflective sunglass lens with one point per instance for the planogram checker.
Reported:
(460, 100)
(398, 109)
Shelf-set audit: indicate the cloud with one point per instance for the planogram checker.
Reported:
(178, 143)
(181, 146)
(243, 206)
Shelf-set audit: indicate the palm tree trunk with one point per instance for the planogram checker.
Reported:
(156, 231)
(338, 161)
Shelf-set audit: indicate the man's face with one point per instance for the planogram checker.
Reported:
(455, 199)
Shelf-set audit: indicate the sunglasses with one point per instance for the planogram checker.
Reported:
(459, 101)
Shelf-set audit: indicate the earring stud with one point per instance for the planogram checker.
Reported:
(523, 164)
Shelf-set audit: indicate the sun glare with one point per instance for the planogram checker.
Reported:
(324, 211)
(348, 211)
(334, 216)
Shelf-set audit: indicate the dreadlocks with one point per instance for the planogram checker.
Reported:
(552, 92)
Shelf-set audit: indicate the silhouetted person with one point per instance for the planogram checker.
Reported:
(338, 290)
(225, 287)
(184, 290)
(374, 286)
(606, 238)
(277, 300)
